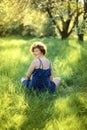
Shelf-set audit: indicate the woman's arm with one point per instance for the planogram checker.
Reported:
(30, 69)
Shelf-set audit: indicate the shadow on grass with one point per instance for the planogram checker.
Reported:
(45, 108)
(40, 107)
(79, 76)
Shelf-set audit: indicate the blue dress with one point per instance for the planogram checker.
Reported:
(41, 80)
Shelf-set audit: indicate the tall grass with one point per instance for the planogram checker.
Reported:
(21, 109)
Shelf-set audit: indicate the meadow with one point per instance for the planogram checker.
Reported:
(21, 109)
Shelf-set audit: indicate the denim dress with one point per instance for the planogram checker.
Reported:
(41, 79)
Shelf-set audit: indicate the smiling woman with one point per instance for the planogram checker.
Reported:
(41, 70)
(38, 47)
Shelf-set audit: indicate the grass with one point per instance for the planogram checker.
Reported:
(21, 109)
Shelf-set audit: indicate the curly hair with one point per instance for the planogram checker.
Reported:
(41, 46)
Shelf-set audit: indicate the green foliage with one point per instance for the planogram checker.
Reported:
(11, 16)
(37, 18)
(21, 109)
(33, 23)
(20, 18)
(61, 13)
(48, 29)
(81, 27)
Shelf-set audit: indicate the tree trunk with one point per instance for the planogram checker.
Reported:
(81, 37)
(85, 9)
(64, 35)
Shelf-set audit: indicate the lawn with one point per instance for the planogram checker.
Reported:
(21, 109)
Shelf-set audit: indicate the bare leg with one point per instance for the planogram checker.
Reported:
(57, 81)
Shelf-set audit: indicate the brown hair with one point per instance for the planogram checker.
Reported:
(41, 46)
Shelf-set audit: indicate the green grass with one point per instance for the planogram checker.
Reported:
(21, 109)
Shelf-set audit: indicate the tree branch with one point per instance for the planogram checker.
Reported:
(54, 22)
(74, 23)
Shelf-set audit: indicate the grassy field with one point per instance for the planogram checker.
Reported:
(21, 109)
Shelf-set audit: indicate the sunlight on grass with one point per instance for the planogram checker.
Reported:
(74, 55)
(63, 107)
(64, 124)
(25, 110)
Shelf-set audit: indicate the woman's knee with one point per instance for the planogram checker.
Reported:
(22, 79)
(57, 80)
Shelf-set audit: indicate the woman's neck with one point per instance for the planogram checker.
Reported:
(42, 56)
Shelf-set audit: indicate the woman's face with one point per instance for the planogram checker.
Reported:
(37, 53)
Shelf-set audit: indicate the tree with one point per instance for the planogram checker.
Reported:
(11, 14)
(85, 10)
(81, 24)
(78, 27)
(61, 12)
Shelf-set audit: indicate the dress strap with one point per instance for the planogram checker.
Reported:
(41, 64)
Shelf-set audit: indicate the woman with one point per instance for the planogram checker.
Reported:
(40, 70)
